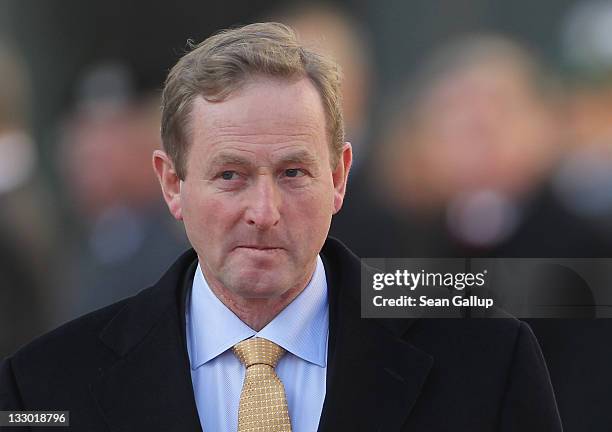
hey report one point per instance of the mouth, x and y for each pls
(259, 248)
(258, 252)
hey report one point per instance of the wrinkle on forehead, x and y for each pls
(272, 105)
(216, 127)
(287, 154)
(258, 134)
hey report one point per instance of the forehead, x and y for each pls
(263, 112)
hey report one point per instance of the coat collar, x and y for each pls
(373, 378)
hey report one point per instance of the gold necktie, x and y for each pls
(263, 405)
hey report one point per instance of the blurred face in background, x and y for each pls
(482, 127)
(102, 156)
(590, 114)
(259, 192)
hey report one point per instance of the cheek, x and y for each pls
(310, 210)
(204, 216)
(313, 200)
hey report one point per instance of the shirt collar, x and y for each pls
(301, 328)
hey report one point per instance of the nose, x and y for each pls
(263, 204)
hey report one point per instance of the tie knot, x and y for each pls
(258, 351)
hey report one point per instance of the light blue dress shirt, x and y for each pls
(217, 375)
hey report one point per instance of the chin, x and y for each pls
(258, 283)
(254, 260)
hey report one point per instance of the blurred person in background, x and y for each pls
(124, 237)
(470, 153)
(578, 352)
(469, 160)
(584, 181)
(27, 218)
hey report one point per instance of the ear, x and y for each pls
(340, 175)
(169, 181)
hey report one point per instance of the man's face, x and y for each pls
(259, 192)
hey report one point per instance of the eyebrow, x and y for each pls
(299, 157)
(229, 159)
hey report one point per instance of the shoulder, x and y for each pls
(486, 337)
(78, 351)
(54, 363)
(139, 310)
(75, 335)
(69, 353)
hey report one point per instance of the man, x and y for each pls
(255, 166)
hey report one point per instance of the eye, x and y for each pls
(228, 175)
(294, 172)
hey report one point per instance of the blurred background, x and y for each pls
(480, 128)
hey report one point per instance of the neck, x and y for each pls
(257, 312)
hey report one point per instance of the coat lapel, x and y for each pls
(149, 386)
(374, 377)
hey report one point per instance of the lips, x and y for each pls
(258, 247)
